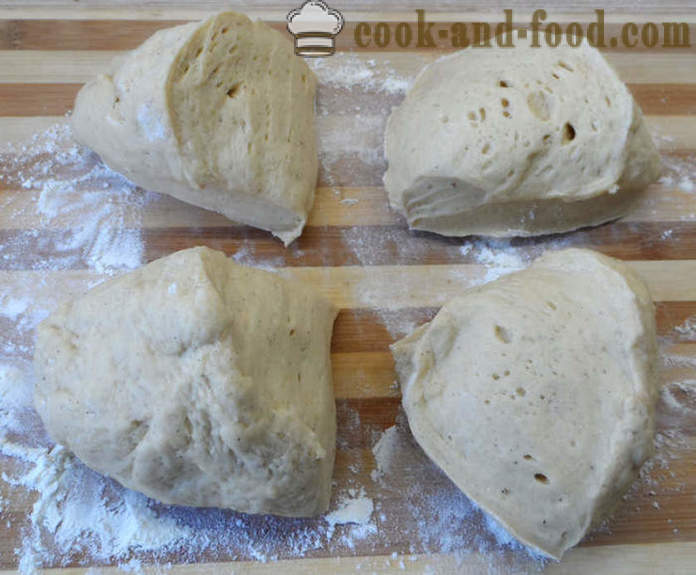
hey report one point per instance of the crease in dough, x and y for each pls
(197, 382)
(219, 114)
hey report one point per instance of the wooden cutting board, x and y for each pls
(354, 243)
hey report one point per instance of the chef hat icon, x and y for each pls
(314, 26)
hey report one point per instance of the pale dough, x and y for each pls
(197, 382)
(218, 113)
(516, 142)
(535, 393)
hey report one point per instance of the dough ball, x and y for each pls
(197, 382)
(219, 114)
(535, 393)
(517, 142)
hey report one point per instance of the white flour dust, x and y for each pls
(346, 70)
(82, 511)
(354, 512)
(90, 215)
(472, 262)
(70, 212)
(384, 452)
(680, 396)
(438, 516)
(349, 144)
(687, 329)
(676, 411)
(679, 172)
(83, 217)
(351, 120)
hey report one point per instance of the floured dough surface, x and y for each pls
(535, 393)
(516, 142)
(197, 382)
(218, 113)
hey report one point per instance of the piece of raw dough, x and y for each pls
(535, 393)
(517, 142)
(197, 382)
(219, 114)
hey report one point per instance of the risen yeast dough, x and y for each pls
(218, 113)
(515, 142)
(535, 393)
(197, 382)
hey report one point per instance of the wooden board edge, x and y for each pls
(635, 559)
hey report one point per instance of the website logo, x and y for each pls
(315, 27)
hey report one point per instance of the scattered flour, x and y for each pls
(356, 510)
(352, 138)
(379, 245)
(384, 451)
(347, 70)
(82, 213)
(686, 185)
(355, 513)
(500, 258)
(445, 520)
(11, 307)
(16, 407)
(687, 329)
(86, 217)
(680, 172)
(680, 396)
(353, 143)
(76, 508)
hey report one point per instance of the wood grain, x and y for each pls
(364, 331)
(351, 287)
(363, 367)
(77, 66)
(335, 246)
(355, 245)
(674, 135)
(81, 34)
(37, 99)
(389, 9)
(333, 207)
(673, 558)
(117, 34)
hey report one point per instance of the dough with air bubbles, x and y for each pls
(218, 113)
(517, 142)
(198, 382)
(535, 393)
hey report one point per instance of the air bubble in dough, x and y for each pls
(535, 393)
(218, 113)
(517, 142)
